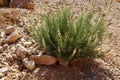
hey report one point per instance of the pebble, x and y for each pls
(29, 64)
(5, 46)
(9, 29)
(13, 49)
(14, 36)
(3, 70)
(22, 48)
(63, 62)
(21, 24)
(20, 54)
(15, 56)
(21, 51)
(36, 71)
(1, 75)
(2, 34)
(27, 44)
(9, 57)
(22, 40)
(1, 49)
(4, 78)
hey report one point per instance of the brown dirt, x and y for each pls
(79, 70)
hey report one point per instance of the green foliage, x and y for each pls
(66, 38)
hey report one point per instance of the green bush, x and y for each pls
(68, 39)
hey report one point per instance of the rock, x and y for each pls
(2, 34)
(9, 29)
(19, 3)
(6, 46)
(36, 71)
(30, 6)
(29, 64)
(27, 43)
(22, 48)
(118, 0)
(4, 78)
(20, 54)
(1, 49)
(13, 49)
(63, 62)
(1, 75)
(3, 70)
(21, 51)
(3, 2)
(22, 40)
(44, 59)
(21, 24)
(14, 56)
(14, 36)
(9, 57)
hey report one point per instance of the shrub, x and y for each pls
(68, 39)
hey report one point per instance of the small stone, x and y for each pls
(6, 63)
(1, 49)
(2, 34)
(30, 6)
(1, 75)
(14, 36)
(18, 3)
(5, 46)
(22, 40)
(27, 44)
(20, 54)
(36, 71)
(22, 48)
(13, 48)
(15, 56)
(4, 78)
(63, 62)
(29, 64)
(9, 57)
(44, 59)
(3, 70)
(21, 24)
(40, 53)
(21, 51)
(9, 29)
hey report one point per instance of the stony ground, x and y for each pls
(12, 52)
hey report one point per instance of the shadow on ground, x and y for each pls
(79, 70)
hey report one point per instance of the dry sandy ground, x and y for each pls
(22, 18)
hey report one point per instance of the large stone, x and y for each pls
(14, 36)
(19, 3)
(44, 59)
(3, 2)
(118, 0)
(9, 29)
